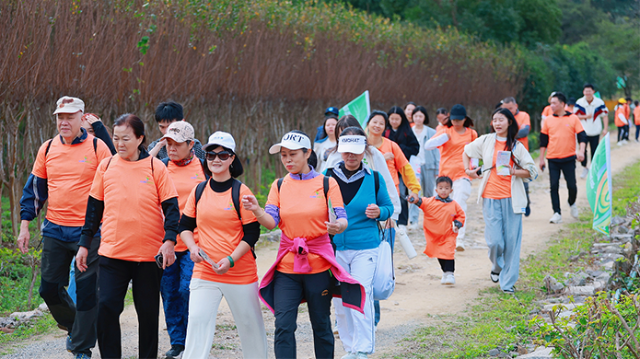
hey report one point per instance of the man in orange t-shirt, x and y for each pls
(621, 119)
(557, 141)
(62, 175)
(524, 127)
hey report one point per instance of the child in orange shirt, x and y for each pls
(443, 217)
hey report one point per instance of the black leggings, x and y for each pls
(447, 265)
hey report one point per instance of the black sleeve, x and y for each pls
(92, 219)
(582, 137)
(171, 212)
(251, 233)
(410, 146)
(187, 223)
(544, 140)
(102, 133)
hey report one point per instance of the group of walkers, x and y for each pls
(175, 222)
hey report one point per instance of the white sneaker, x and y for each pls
(556, 218)
(459, 245)
(620, 143)
(362, 355)
(575, 213)
(350, 356)
(585, 172)
(448, 278)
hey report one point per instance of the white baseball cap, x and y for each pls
(68, 104)
(220, 138)
(352, 144)
(180, 131)
(292, 141)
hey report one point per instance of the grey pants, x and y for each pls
(81, 319)
(503, 233)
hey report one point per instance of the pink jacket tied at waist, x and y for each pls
(350, 290)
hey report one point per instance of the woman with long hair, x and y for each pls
(506, 163)
(429, 161)
(366, 202)
(305, 268)
(224, 262)
(323, 149)
(451, 140)
(134, 198)
(408, 111)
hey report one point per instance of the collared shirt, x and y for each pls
(598, 112)
(443, 200)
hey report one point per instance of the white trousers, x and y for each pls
(243, 301)
(460, 194)
(357, 331)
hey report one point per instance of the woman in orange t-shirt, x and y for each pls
(305, 268)
(451, 140)
(503, 194)
(225, 264)
(134, 195)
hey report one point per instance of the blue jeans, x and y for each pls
(174, 288)
(503, 234)
(389, 235)
(637, 131)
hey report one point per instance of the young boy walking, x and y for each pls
(443, 217)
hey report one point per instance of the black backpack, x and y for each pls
(95, 147)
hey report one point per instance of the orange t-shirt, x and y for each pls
(133, 222)
(562, 132)
(636, 115)
(547, 111)
(185, 178)
(438, 227)
(451, 153)
(398, 161)
(220, 232)
(69, 168)
(497, 187)
(303, 211)
(523, 119)
(623, 111)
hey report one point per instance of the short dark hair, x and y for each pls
(444, 179)
(169, 111)
(509, 100)
(560, 96)
(589, 86)
(442, 111)
(424, 111)
(136, 124)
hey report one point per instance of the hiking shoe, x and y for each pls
(585, 172)
(81, 356)
(495, 277)
(574, 211)
(459, 245)
(509, 291)
(349, 356)
(556, 218)
(68, 343)
(448, 278)
(175, 351)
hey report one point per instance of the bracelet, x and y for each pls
(231, 261)
(262, 215)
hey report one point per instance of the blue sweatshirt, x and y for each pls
(362, 232)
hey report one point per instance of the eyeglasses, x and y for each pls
(223, 155)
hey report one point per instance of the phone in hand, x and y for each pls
(207, 259)
(159, 259)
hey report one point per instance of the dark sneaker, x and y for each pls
(81, 356)
(68, 343)
(175, 351)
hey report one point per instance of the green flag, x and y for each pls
(359, 108)
(599, 190)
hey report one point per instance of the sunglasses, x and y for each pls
(223, 155)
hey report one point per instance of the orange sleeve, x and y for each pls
(247, 216)
(190, 206)
(526, 119)
(398, 157)
(426, 205)
(474, 135)
(164, 183)
(39, 168)
(545, 128)
(97, 187)
(274, 195)
(102, 151)
(335, 194)
(460, 216)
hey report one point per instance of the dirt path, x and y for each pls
(418, 291)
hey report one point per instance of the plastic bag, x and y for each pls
(384, 280)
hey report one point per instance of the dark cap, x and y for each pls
(332, 111)
(458, 112)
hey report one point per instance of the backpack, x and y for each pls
(95, 147)
(235, 194)
(325, 187)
